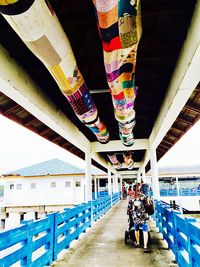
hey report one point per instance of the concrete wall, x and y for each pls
(18, 191)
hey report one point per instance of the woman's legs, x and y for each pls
(145, 236)
(137, 236)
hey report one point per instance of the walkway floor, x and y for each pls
(103, 246)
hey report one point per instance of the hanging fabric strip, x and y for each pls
(119, 23)
(39, 28)
(128, 160)
(113, 159)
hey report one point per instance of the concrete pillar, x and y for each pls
(154, 175)
(120, 184)
(88, 180)
(95, 188)
(12, 221)
(116, 184)
(109, 181)
(144, 179)
(138, 178)
(113, 183)
(98, 187)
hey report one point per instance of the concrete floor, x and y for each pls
(103, 245)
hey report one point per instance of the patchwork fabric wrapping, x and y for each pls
(37, 25)
(128, 160)
(113, 159)
(119, 23)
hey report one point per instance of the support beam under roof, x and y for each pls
(17, 85)
(139, 144)
(128, 173)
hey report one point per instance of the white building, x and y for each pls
(53, 182)
(31, 192)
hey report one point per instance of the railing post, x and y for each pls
(189, 220)
(91, 217)
(84, 214)
(55, 254)
(156, 212)
(77, 221)
(26, 261)
(175, 236)
(52, 242)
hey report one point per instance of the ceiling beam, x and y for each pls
(193, 107)
(99, 91)
(162, 145)
(185, 120)
(177, 128)
(184, 80)
(162, 150)
(10, 109)
(18, 85)
(30, 122)
(45, 131)
(139, 144)
(128, 172)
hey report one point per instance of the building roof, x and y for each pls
(51, 167)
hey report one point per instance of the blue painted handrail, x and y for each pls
(38, 243)
(182, 235)
(182, 192)
(27, 238)
(100, 194)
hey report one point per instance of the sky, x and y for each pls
(186, 151)
(20, 148)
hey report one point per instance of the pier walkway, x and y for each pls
(103, 245)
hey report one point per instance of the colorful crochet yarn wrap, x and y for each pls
(128, 160)
(37, 25)
(119, 24)
(113, 159)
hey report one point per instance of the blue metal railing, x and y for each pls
(182, 192)
(38, 243)
(100, 194)
(182, 235)
(24, 240)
